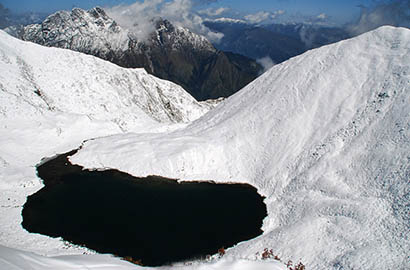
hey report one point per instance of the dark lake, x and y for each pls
(153, 219)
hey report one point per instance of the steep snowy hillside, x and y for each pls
(169, 52)
(66, 81)
(324, 136)
(50, 101)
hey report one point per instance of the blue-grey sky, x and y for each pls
(338, 11)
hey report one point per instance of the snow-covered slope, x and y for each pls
(12, 259)
(66, 81)
(324, 136)
(50, 95)
(53, 99)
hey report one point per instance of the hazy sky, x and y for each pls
(338, 11)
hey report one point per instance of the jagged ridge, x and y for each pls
(172, 53)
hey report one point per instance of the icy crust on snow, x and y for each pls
(62, 80)
(324, 136)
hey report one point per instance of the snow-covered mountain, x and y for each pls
(92, 32)
(169, 52)
(324, 136)
(65, 96)
(51, 100)
(70, 82)
(8, 18)
(51, 95)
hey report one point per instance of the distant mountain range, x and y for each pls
(7, 18)
(277, 41)
(171, 53)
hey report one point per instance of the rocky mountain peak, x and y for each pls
(78, 19)
(170, 52)
(98, 12)
(92, 32)
(177, 37)
(163, 25)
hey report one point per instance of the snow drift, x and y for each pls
(324, 136)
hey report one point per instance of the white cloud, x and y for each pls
(279, 12)
(229, 20)
(138, 17)
(322, 16)
(212, 12)
(266, 62)
(258, 17)
(396, 13)
(214, 37)
(263, 16)
(307, 36)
